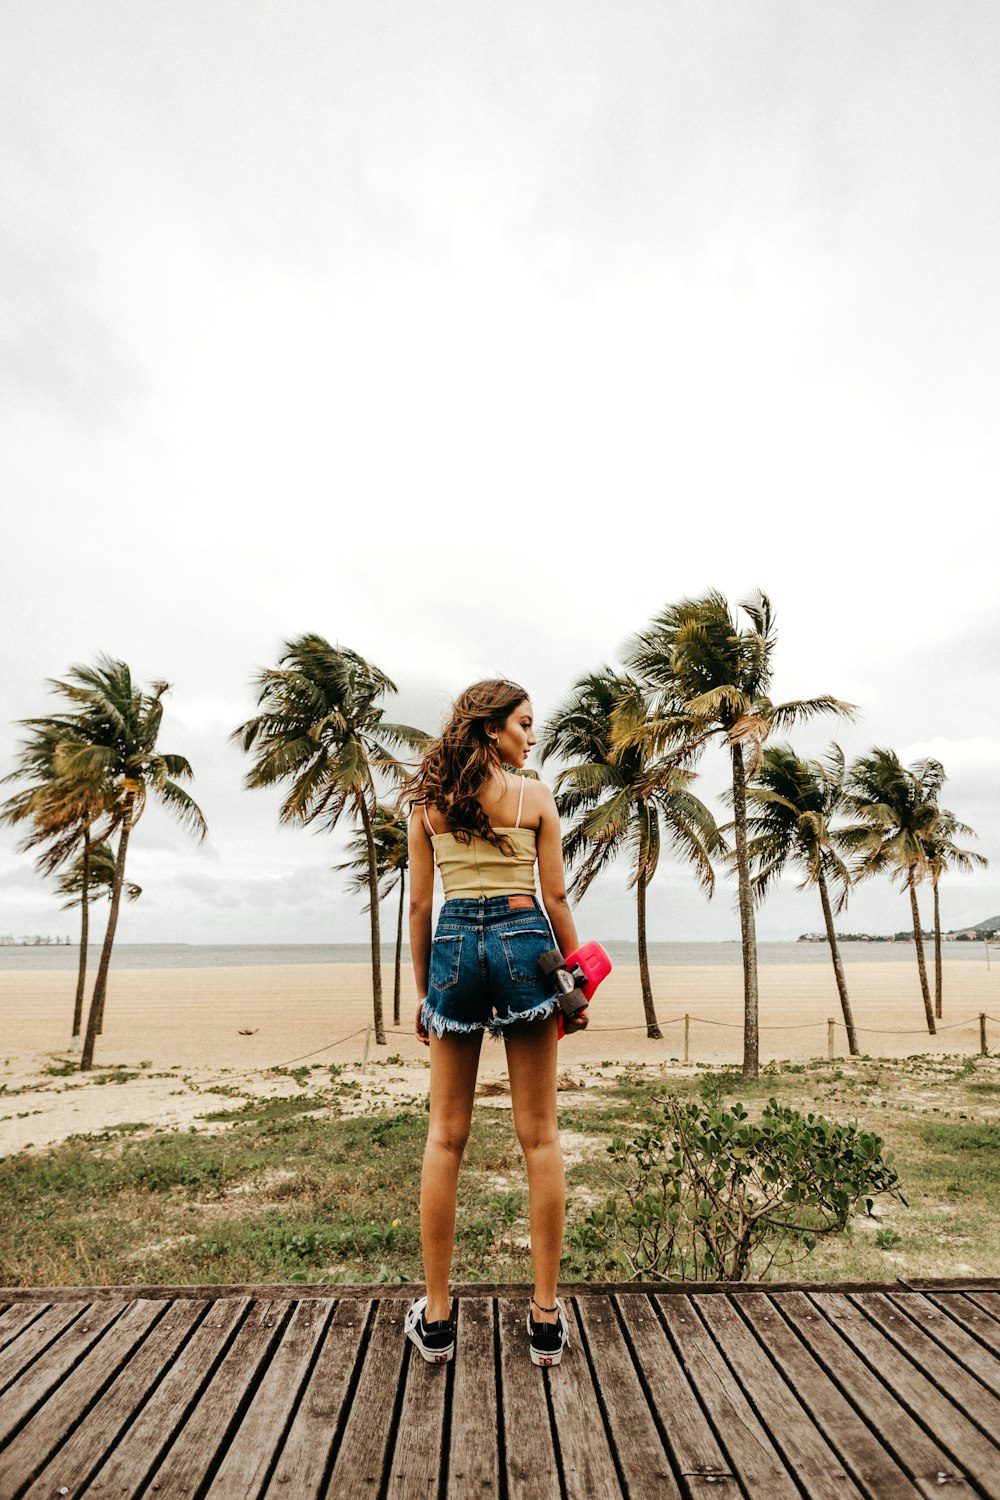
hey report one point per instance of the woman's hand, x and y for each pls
(579, 1022)
(421, 1029)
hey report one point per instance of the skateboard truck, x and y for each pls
(569, 979)
(576, 976)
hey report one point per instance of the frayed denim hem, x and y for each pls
(441, 1025)
(496, 1025)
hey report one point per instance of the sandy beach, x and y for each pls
(192, 1036)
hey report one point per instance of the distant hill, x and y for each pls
(983, 929)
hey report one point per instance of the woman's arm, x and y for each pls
(421, 859)
(551, 875)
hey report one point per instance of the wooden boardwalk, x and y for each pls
(882, 1392)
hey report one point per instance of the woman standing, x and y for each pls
(486, 829)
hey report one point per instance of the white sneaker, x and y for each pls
(548, 1340)
(436, 1341)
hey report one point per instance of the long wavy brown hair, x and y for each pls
(457, 765)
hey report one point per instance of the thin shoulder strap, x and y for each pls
(430, 825)
(520, 802)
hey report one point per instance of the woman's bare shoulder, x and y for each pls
(538, 798)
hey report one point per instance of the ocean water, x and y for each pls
(623, 953)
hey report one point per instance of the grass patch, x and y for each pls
(283, 1195)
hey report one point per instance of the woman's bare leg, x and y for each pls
(531, 1064)
(454, 1065)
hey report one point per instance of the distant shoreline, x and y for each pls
(724, 953)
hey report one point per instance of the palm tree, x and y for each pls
(712, 678)
(943, 854)
(62, 811)
(897, 811)
(78, 884)
(392, 856)
(792, 806)
(117, 726)
(625, 800)
(321, 728)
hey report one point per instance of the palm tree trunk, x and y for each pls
(938, 966)
(652, 1025)
(95, 1019)
(748, 933)
(81, 973)
(838, 967)
(398, 976)
(376, 931)
(921, 962)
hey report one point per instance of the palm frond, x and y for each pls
(184, 807)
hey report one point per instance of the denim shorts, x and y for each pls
(484, 973)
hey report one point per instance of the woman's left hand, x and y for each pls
(421, 1029)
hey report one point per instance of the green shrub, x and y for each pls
(707, 1194)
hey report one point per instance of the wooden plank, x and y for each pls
(916, 1452)
(529, 1449)
(965, 1311)
(474, 1448)
(208, 1428)
(972, 1453)
(361, 1458)
(36, 1337)
(140, 1447)
(805, 1450)
(631, 1426)
(686, 1431)
(305, 1454)
(946, 1372)
(420, 1451)
(38, 1381)
(587, 1462)
(989, 1302)
(44, 1433)
(84, 1450)
(251, 1452)
(16, 1318)
(950, 1332)
(751, 1454)
(863, 1454)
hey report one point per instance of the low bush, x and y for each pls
(708, 1194)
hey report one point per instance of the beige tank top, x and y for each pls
(479, 868)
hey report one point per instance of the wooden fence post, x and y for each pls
(829, 1037)
(364, 1054)
(687, 1037)
(982, 1033)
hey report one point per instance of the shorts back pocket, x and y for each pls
(523, 947)
(446, 960)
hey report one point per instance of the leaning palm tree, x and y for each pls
(90, 877)
(63, 813)
(711, 679)
(625, 800)
(117, 726)
(943, 854)
(392, 856)
(896, 808)
(321, 729)
(792, 805)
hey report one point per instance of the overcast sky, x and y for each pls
(471, 335)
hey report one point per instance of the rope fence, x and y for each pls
(831, 1028)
